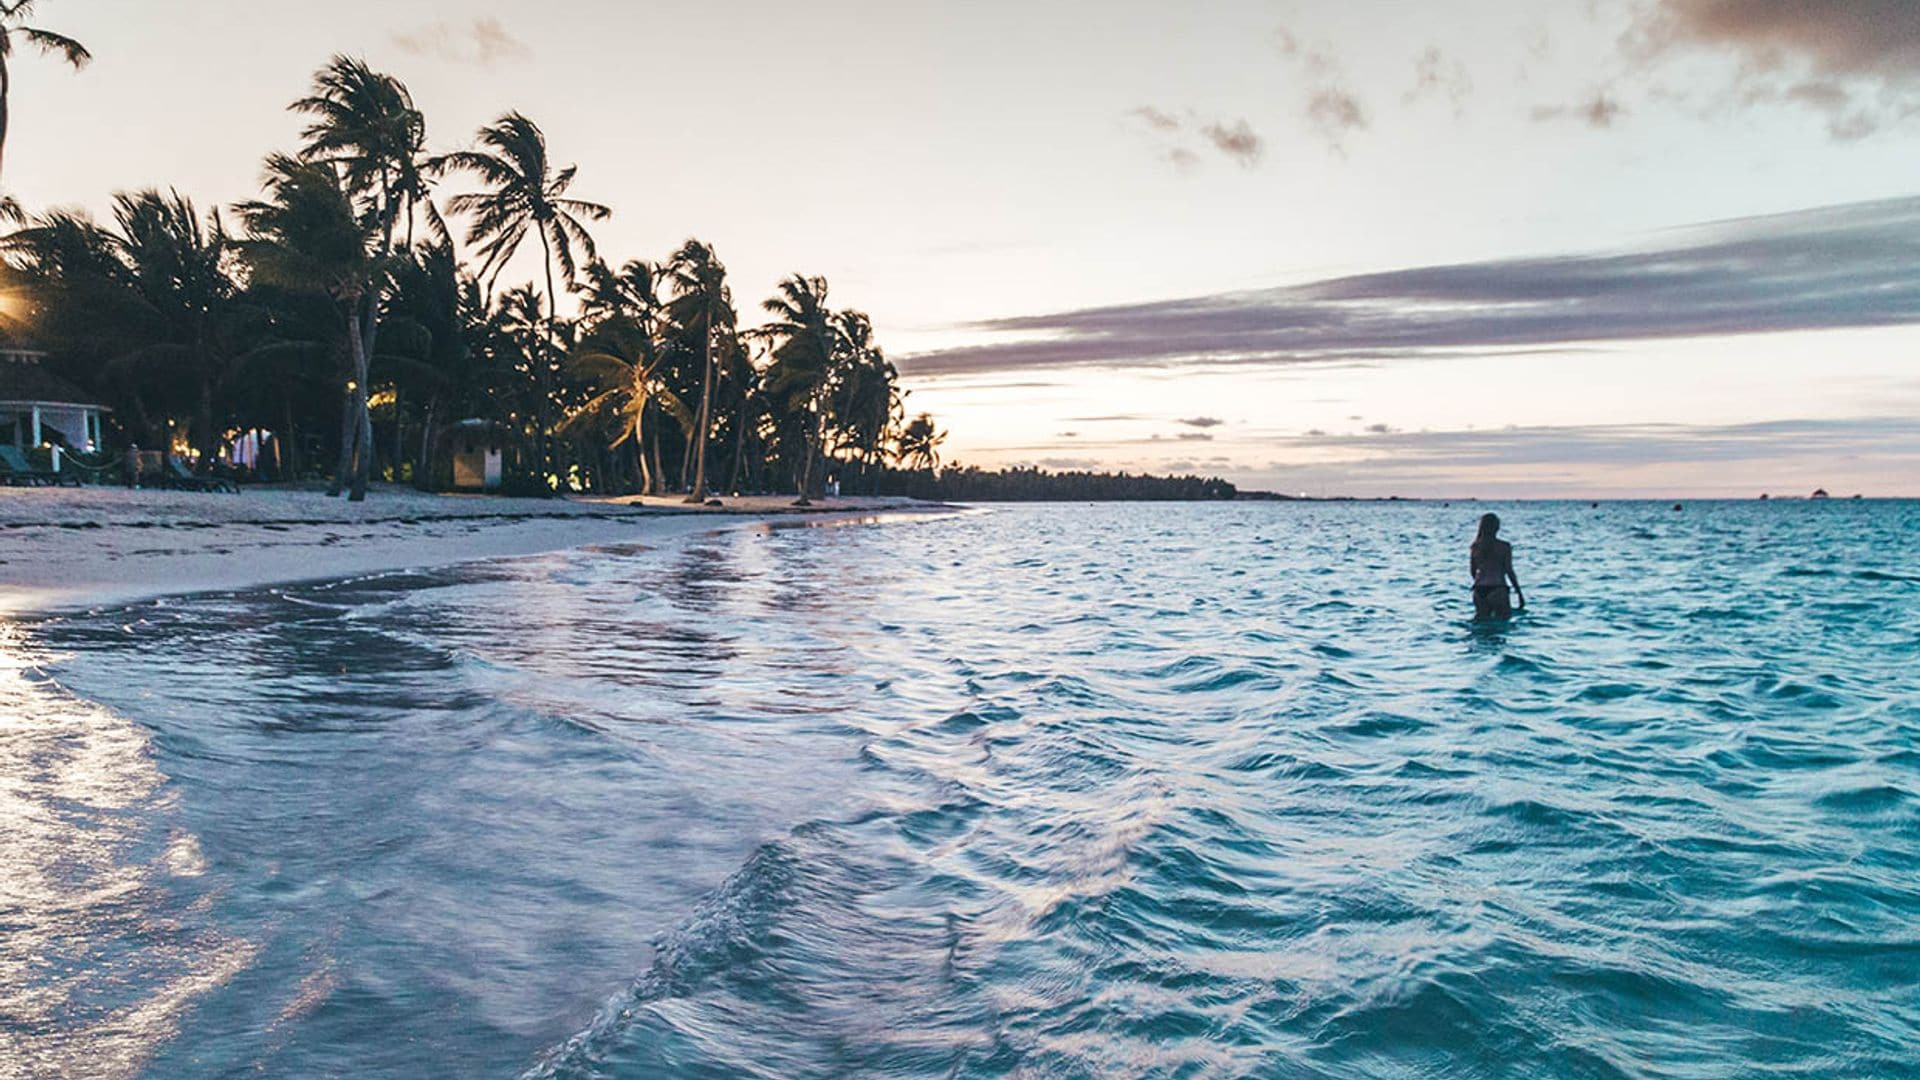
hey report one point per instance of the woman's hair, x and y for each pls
(1489, 528)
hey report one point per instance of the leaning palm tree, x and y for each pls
(365, 126)
(45, 40)
(622, 353)
(305, 237)
(366, 123)
(702, 303)
(807, 347)
(525, 193)
(622, 357)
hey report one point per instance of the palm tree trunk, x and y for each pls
(817, 460)
(698, 493)
(344, 465)
(739, 446)
(290, 457)
(810, 457)
(423, 466)
(640, 449)
(659, 466)
(6, 87)
(359, 338)
(209, 442)
(544, 365)
(399, 434)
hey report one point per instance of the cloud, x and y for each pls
(1830, 268)
(481, 41)
(1600, 111)
(1336, 113)
(1332, 109)
(1156, 119)
(1856, 62)
(1876, 453)
(1628, 445)
(1437, 76)
(1878, 38)
(1181, 158)
(1201, 421)
(1234, 139)
(1237, 141)
(1194, 436)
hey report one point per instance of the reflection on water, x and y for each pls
(107, 939)
(1215, 791)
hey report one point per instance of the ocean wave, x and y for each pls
(1207, 791)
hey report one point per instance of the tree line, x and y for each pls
(339, 311)
(1030, 484)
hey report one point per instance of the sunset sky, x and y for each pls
(1493, 247)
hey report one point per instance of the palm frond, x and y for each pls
(50, 43)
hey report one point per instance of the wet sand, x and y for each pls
(63, 548)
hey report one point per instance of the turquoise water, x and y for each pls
(1114, 791)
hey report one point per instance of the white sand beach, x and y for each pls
(85, 547)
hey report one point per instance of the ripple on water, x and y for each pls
(1213, 791)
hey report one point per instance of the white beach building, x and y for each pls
(38, 408)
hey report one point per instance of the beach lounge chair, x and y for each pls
(176, 475)
(17, 471)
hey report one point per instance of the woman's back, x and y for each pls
(1490, 560)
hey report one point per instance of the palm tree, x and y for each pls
(427, 346)
(621, 350)
(808, 345)
(180, 275)
(919, 443)
(366, 127)
(866, 399)
(306, 237)
(523, 329)
(45, 40)
(703, 303)
(152, 301)
(526, 193)
(366, 123)
(620, 356)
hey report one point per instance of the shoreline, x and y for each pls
(74, 549)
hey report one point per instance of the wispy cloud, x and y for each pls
(1237, 141)
(481, 41)
(1632, 444)
(1436, 75)
(1201, 421)
(1791, 456)
(1598, 111)
(1831, 268)
(1333, 109)
(1336, 113)
(1234, 139)
(1157, 119)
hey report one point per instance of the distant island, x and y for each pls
(969, 483)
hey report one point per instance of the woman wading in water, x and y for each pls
(1492, 564)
